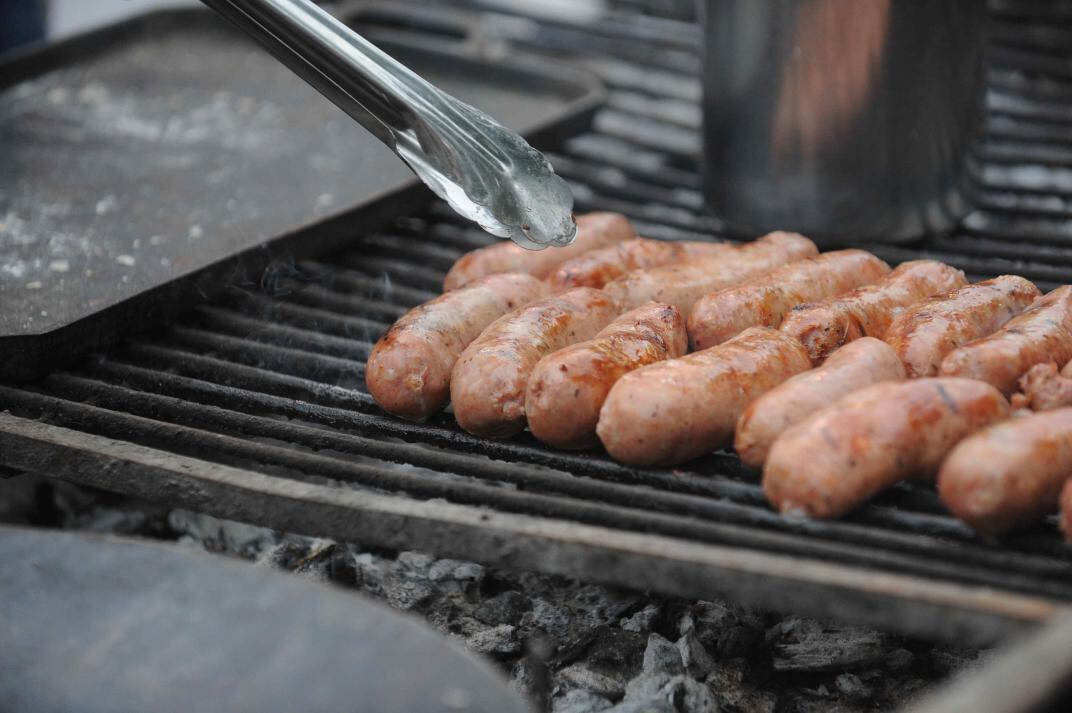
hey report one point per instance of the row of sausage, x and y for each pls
(800, 360)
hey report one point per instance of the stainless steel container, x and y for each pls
(846, 120)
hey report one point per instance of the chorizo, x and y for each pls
(567, 388)
(868, 311)
(674, 410)
(408, 371)
(594, 231)
(855, 366)
(1040, 334)
(765, 300)
(924, 333)
(487, 386)
(681, 284)
(869, 440)
(1010, 474)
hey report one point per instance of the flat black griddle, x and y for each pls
(149, 164)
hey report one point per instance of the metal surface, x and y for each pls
(483, 170)
(266, 390)
(152, 164)
(96, 624)
(847, 120)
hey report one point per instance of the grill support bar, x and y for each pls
(967, 616)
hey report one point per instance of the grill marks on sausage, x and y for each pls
(598, 267)
(490, 377)
(868, 311)
(568, 388)
(764, 301)
(1040, 334)
(877, 437)
(925, 333)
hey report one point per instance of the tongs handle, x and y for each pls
(483, 170)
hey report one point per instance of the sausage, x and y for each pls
(924, 333)
(408, 371)
(869, 440)
(1039, 334)
(487, 386)
(567, 388)
(1043, 388)
(868, 311)
(855, 366)
(594, 231)
(1010, 474)
(764, 301)
(681, 284)
(1066, 512)
(598, 267)
(678, 409)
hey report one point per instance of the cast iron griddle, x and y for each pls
(135, 158)
(93, 623)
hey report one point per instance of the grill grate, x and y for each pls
(263, 383)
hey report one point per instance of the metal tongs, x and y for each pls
(486, 172)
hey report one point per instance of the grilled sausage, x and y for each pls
(681, 284)
(1039, 334)
(1043, 388)
(675, 410)
(868, 311)
(1010, 474)
(598, 267)
(855, 366)
(765, 300)
(924, 333)
(871, 439)
(408, 372)
(1066, 512)
(487, 387)
(567, 388)
(594, 231)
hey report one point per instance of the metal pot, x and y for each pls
(846, 120)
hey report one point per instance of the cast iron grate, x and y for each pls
(269, 379)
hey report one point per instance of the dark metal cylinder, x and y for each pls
(846, 120)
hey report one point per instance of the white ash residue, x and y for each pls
(580, 648)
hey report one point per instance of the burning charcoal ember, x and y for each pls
(609, 685)
(661, 656)
(804, 645)
(643, 621)
(579, 700)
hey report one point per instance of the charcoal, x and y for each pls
(614, 647)
(497, 640)
(646, 686)
(698, 663)
(725, 631)
(733, 694)
(416, 561)
(850, 685)
(224, 536)
(950, 660)
(643, 621)
(607, 685)
(652, 706)
(505, 608)
(406, 592)
(579, 700)
(661, 656)
(455, 570)
(802, 645)
(900, 660)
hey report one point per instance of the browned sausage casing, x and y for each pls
(681, 284)
(678, 409)
(871, 439)
(487, 387)
(765, 300)
(408, 372)
(925, 332)
(855, 366)
(1066, 511)
(598, 267)
(594, 231)
(1044, 388)
(1010, 474)
(1041, 333)
(567, 388)
(867, 311)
